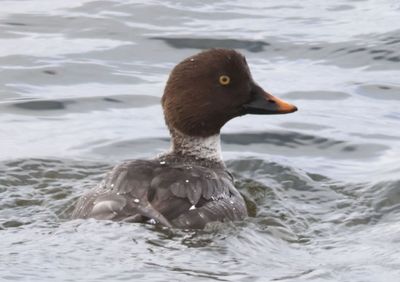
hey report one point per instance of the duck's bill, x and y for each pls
(264, 103)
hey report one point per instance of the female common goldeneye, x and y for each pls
(188, 186)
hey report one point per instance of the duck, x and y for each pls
(188, 186)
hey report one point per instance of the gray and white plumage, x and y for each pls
(172, 193)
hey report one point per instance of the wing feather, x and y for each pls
(140, 190)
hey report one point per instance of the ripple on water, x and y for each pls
(79, 105)
(317, 95)
(379, 92)
(39, 189)
(292, 212)
(207, 43)
(298, 144)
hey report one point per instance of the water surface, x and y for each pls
(80, 83)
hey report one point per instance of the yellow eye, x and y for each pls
(224, 80)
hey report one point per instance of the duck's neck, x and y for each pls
(196, 148)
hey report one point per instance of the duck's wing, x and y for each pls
(221, 210)
(173, 195)
(226, 208)
(207, 195)
(122, 195)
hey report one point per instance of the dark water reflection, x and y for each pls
(204, 43)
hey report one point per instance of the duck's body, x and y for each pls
(175, 189)
(188, 186)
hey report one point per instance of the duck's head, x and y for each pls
(210, 88)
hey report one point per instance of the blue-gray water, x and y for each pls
(80, 83)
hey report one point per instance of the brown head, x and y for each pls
(208, 89)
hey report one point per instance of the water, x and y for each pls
(80, 83)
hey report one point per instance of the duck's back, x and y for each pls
(172, 193)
